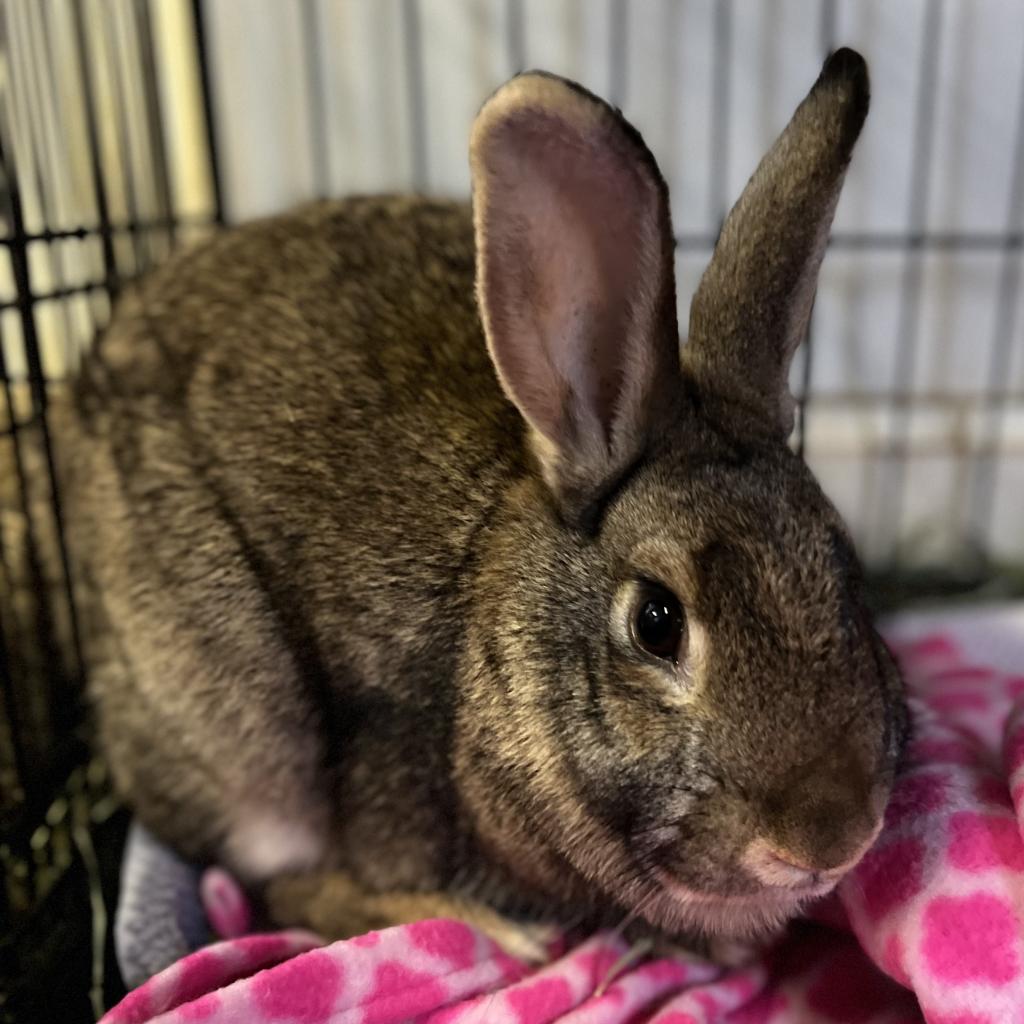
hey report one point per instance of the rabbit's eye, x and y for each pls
(658, 623)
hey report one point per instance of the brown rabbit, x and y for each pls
(577, 639)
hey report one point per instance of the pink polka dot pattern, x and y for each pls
(135, 1008)
(971, 939)
(937, 650)
(959, 702)
(943, 751)
(448, 940)
(893, 960)
(992, 791)
(849, 988)
(965, 674)
(890, 876)
(300, 991)
(202, 1008)
(181, 985)
(958, 940)
(401, 993)
(199, 974)
(543, 1000)
(933, 916)
(916, 795)
(937, 1017)
(769, 1008)
(982, 841)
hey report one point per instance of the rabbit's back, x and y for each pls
(327, 313)
(285, 447)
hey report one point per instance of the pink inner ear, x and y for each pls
(570, 226)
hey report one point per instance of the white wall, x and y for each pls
(272, 120)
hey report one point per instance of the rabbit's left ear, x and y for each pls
(575, 280)
(751, 309)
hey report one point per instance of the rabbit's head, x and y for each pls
(676, 693)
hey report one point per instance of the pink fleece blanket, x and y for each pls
(930, 926)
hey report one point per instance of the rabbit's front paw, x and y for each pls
(523, 940)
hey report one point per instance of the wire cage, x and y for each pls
(129, 127)
(88, 200)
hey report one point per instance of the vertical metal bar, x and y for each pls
(17, 794)
(98, 176)
(209, 121)
(35, 53)
(618, 55)
(515, 36)
(58, 256)
(720, 104)
(120, 116)
(138, 138)
(415, 90)
(12, 713)
(37, 387)
(316, 118)
(11, 709)
(136, 129)
(41, 626)
(828, 26)
(17, 45)
(892, 491)
(47, 112)
(982, 495)
(154, 115)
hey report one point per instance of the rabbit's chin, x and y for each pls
(742, 916)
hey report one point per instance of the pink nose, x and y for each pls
(790, 869)
(774, 866)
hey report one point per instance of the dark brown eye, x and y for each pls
(658, 622)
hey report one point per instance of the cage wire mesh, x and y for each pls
(89, 198)
(128, 127)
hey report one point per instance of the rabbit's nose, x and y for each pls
(774, 865)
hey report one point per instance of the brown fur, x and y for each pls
(348, 593)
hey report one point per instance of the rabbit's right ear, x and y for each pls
(574, 280)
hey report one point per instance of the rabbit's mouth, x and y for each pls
(738, 914)
(766, 894)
